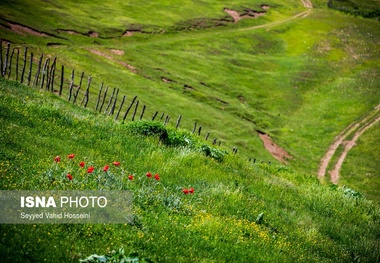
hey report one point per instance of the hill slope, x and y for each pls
(239, 212)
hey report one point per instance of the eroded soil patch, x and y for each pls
(276, 151)
(248, 13)
(121, 63)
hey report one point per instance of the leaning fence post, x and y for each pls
(35, 82)
(71, 86)
(10, 62)
(112, 110)
(195, 126)
(167, 119)
(214, 141)
(6, 59)
(142, 112)
(162, 116)
(52, 74)
(30, 68)
(62, 78)
(154, 116)
(207, 136)
(104, 99)
(24, 66)
(78, 89)
(178, 121)
(121, 106)
(130, 106)
(97, 101)
(87, 91)
(199, 130)
(1, 57)
(110, 101)
(134, 113)
(45, 71)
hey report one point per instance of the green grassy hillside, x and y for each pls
(239, 211)
(300, 75)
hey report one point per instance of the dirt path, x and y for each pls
(358, 128)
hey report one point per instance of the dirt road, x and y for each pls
(356, 129)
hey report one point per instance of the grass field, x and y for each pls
(301, 219)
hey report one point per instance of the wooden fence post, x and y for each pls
(87, 92)
(142, 112)
(97, 101)
(104, 99)
(167, 120)
(162, 116)
(112, 110)
(154, 116)
(71, 86)
(195, 126)
(78, 89)
(1, 57)
(121, 106)
(62, 78)
(214, 141)
(30, 68)
(6, 59)
(199, 130)
(110, 101)
(220, 142)
(134, 113)
(10, 62)
(35, 82)
(24, 66)
(130, 106)
(45, 71)
(178, 121)
(52, 74)
(207, 136)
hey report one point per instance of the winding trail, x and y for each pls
(356, 128)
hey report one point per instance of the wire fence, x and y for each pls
(77, 87)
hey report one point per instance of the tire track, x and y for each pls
(358, 127)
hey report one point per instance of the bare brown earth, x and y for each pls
(249, 14)
(276, 151)
(358, 128)
(121, 63)
(24, 30)
(307, 3)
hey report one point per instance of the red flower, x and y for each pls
(69, 176)
(191, 190)
(185, 191)
(81, 164)
(130, 177)
(90, 169)
(57, 159)
(148, 174)
(157, 177)
(105, 168)
(116, 163)
(71, 156)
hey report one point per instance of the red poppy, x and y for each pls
(157, 177)
(90, 169)
(130, 177)
(69, 176)
(71, 156)
(148, 174)
(57, 159)
(191, 190)
(105, 168)
(185, 191)
(81, 164)
(116, 163)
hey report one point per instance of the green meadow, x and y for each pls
(300, 75)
